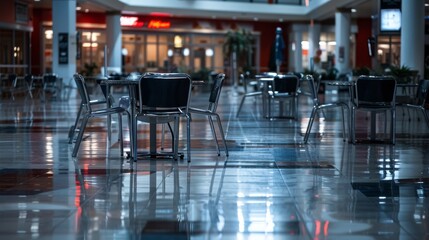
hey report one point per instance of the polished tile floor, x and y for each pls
(270, 187)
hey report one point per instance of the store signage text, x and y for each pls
(137, 23)
(158, 24)
(131, 22)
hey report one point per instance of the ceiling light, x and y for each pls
(78, 8)
(209, 52)
(186, 52)
(353, 10)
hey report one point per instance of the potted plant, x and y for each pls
(402, 74)
(237, 48)
(89, 69)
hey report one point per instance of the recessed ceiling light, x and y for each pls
(353, 10)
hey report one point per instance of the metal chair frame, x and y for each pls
(211, 113)
(93, 102)
(284, 87)
(91, 113)
(318, 106)
(376, 95)
(164, 98)
(419, 101)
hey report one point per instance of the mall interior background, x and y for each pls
(160, 43)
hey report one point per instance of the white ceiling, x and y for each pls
(319, 10)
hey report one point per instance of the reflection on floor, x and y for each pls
(270, 187)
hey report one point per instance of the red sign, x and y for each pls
(131, 22)
(158, 24)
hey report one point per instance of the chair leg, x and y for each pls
(310, 124)
(80, 136)
(133, 133)
(222, 134)
(121, 136)
(425, 115)
(162, 136)
(73, 128)
(172, 136)
(344, 123)
(353, 125)
(109, 127)
(294, 108)
(214, 134)
(241, 105)
(130, 132)
(176, 138)
(188, 138)
(393, 126)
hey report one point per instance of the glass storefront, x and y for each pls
(326, 48)
(172, 52)
(389, 50)
(148, 51)
(14, 51)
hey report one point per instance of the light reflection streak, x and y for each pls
(49, 150)
(240, 216)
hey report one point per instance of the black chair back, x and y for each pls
(216, 88)
(164, 91)
(422, 92)
(285, 84)
(50, 78)
(13, 80)
(28, 80)
(377, 91)
(83, 91)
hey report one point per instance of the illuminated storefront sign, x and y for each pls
(131, 22)
(128, 21)
(159, 24)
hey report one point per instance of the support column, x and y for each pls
(64, 38)
(298, 51)
(342, 39)
(313, 44)
(413, 35)
(114, 41)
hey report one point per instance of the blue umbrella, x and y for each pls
(279, 49)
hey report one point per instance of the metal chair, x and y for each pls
(52, 85)
(284, 87)
(164, 98)
(258, 92)
(89, 112)
(210, 112)
(8, 85)
(377, 95)
(318, 106)
(419, 101)
(93, 102)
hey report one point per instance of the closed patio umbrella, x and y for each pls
(279, 48)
